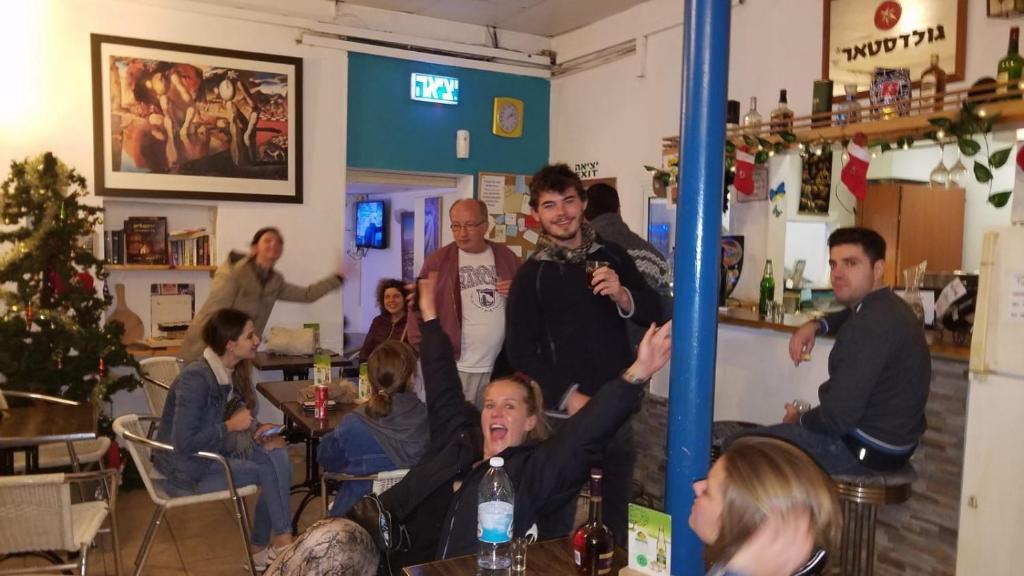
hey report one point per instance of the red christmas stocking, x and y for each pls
(744, 181)
(855, 173)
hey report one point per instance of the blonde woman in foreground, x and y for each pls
(763, 509)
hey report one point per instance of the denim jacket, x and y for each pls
(352, 449)
(193, 421)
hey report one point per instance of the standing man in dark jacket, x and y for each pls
(473, 279)
(604, 213)
(568, 335)
(871, 411)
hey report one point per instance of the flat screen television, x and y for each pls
(371, 224)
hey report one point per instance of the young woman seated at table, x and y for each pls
(763, 508)
(210, 409)
(390, 323)
(389, 432)
(437, 501)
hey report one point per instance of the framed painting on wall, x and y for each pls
(431, 225)
(408, 219)
(178, 121)
(861, 35)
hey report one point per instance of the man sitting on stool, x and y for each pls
(871, 412)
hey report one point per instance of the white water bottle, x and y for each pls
(495, 507)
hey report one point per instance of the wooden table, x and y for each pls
(548, 558)
(302, 426)
(294, 367)
(26, 427)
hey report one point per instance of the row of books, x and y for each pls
(145, 240)
(191, 248)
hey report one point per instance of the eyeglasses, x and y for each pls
(456, 227)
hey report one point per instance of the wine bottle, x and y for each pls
(767, 290)
(782, 117)
(933, 86)
(1010, 67)
(593, 544)
(752, 119)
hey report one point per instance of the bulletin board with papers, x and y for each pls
(509, 218)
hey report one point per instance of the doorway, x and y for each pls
(411, 212)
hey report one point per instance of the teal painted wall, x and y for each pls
(387, 130)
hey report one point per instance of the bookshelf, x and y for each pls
(188, 218)
(160, 267)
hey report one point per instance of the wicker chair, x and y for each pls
(36, 515)
(61, 454)
(381, 482)
(157, 374)
(130, 429)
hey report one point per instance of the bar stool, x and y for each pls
(861, 496)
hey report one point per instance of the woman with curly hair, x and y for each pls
(390, 323)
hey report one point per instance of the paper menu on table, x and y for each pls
(650, 541)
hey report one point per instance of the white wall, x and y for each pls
(610, 114)
(45, 45)
(754, 377)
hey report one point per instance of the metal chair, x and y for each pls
(157, 374)
(61, 454)
(130, 429)
(36, 515)
(381, 482)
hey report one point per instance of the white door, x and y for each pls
(991, 497)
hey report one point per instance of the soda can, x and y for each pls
(320, 408)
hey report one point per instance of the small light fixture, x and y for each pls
(462, 144)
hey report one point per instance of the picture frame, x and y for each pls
(190, 122)
(661, 219)
(431, 225)
(861, 35)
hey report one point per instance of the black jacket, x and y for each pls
(545, 476)
(560, 333)
(879, 373)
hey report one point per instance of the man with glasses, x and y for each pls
(473, 279)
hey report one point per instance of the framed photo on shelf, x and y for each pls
(861, 35)
(179, 121)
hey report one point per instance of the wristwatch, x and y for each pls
(633, 378)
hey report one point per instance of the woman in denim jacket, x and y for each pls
(389, 432)
(207, 409)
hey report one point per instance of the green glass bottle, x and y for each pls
(767, 290)
(1010, 67)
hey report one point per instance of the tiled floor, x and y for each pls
(201, 539)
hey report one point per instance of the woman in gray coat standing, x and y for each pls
(250, 284)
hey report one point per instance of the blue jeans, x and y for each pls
(827, 450)
(272, 472)
(351, 448)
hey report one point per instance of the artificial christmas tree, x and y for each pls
(52, 336)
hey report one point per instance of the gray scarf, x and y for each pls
(548, 250)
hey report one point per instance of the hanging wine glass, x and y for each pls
(940, 175)
(958, 172)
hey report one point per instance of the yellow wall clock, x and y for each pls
(508, 117)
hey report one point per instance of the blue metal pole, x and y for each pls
(697, 255)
